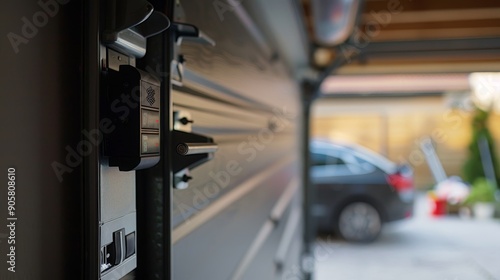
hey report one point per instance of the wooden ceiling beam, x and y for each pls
(439, 15)
(443, 33)
(423, 68)
(429, 5)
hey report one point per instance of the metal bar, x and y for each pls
(268, 227)
(193, 81)
(196, 148)
(291, 227)
(308, 190)
(154, 185)
(284, 200)
(91, 203)
(433, 160)
(486, 160)
(264, 233)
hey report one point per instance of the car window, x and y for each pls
(363, 154)
(356, 165)
(340, 164)
(324, 159)
(375, 159)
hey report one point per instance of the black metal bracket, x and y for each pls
(129, 23)
(186, 32)
(189, 32)
(190, 150)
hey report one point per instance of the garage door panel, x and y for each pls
(240, 94)
(228, 233)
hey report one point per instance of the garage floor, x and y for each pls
(422, 248)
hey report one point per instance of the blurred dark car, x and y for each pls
(358, 190)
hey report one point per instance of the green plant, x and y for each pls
(482, 191)
(473, 167)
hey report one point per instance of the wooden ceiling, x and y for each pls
(419, 36)
(436, 19)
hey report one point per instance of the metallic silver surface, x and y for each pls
(222, 203)
(117, 193)
(196, 148)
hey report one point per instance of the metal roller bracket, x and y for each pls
(129, 23)
(189, 150)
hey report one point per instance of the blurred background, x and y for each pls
(418, 83)
(391, 114)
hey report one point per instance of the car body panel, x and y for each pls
(355, 177)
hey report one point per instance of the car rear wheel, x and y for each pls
(359, 222)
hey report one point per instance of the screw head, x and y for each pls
(182, 149)
(186, 178)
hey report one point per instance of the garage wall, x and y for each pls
(394, 127)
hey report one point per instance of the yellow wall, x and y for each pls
(396, 134)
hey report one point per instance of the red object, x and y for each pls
(408, 214)
(399, 182)
(438, 207)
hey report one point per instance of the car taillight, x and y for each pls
(400, 182)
